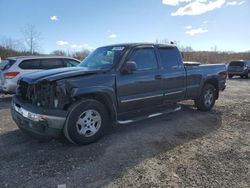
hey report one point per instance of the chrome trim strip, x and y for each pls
(125, 121)
(154, 115)
(172, 93)
(141, 98)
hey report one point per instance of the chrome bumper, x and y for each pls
(34, 116)
(35, 122)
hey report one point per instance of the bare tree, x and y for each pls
(80, 55)
(11, 44)
(58, 52)
(31, 37)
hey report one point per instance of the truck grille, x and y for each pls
(22, 90)
(40, 94)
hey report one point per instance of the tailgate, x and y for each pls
(235, 68)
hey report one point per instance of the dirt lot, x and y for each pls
(185, 149)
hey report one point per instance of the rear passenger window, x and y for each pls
(51, 63)
(144, 58)
(30, 64)
(169, 57)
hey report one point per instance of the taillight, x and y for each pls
(10, 75)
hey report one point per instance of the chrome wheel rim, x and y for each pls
(88, 123)
(209, 97)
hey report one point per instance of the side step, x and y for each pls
(135, 119)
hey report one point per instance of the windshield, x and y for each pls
(103, 58)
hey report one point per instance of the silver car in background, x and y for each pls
(13, 68)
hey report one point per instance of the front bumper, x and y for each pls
(36, 120)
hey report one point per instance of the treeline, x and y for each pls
(203, 57)
(6, 52)
(80, 55)
(215, 57)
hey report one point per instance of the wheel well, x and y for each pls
(104, 99)
(215, 83)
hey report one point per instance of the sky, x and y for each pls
(79, 24)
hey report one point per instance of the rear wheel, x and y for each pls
(206, 100)
(86, 122)
(242, 76)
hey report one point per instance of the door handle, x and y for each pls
(158, 77)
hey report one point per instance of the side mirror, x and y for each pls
(129, 67)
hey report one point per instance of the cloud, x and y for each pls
(174, 2)
(188, 27)
(241, 3)
(62, 43)
(197, 31)
(53, 18)
(198, 7)
(112, 36)
(233, 3)
(79, 46)
(82, 46)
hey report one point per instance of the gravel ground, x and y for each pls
(184, 149)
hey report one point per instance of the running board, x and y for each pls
(177, 108)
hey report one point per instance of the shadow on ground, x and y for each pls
(26, 162)
(5, 102)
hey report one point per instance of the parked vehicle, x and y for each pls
(3, 63)
(239, 68)
(116, 84)
(16, 67)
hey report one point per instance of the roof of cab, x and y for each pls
(140, 44)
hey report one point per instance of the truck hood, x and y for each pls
(58, 74)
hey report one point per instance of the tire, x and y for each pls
(86, 122)
(206, 100)
(242, 76)
(230, 76)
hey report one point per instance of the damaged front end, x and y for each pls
(46, 94)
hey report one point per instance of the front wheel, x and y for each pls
(86, 122)
(206, 100)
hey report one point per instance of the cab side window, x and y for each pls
(145, 58)
(170, 57)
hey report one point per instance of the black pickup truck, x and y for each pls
(116, 84)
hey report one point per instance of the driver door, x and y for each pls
(142, 88)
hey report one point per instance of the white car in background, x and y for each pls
(13, 68)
